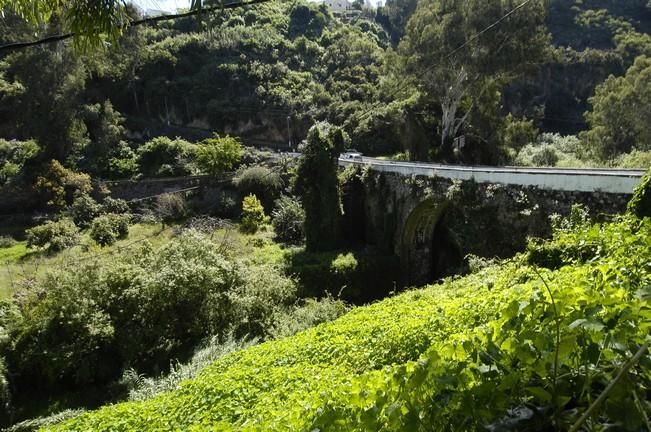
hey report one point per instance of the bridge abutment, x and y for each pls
(431, 223)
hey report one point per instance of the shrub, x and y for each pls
(518, 133)
(253, 216)
(13, 156)
(164, 157)
(288, 219)
(115, 206)
(141, 310)
(552, 149)
(83, 210)
(217, 155)
(107, 229)
(264, 295)
(55, 236)
(634, 159)
(489, 351)
(142, 388)
(260, 181)
(308, 314)
(170, 207)
(640, 203)
(7, 241)
(58, 185)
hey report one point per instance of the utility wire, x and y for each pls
(149, 20)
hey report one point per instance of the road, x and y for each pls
(606, 180)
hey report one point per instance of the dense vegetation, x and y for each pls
(266, 73)
(187, 304)
(518, 345)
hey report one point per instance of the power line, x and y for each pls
(61, 37)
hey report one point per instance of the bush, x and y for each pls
(13, 156)
(54, 236)
(310, 313)
(479, 352)
(552, 149)
(217, 155)
(142, 309)
(7, 241)
(253, 216)
(288, 219)
(640, 203)
(58, 185)
(634, 159)
(264, 295)
(262, 182)
(115, 206)
(107, 229)
(165, 157)
(83, 210)
(170, 207)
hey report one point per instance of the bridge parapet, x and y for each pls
(619, 181)
(431, 217)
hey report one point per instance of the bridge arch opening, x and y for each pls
(429, 250)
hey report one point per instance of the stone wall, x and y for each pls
(431, 223)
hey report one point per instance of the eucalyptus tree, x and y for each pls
(462, 54)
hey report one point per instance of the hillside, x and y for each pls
(467, 353)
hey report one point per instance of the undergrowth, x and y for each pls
(515, 346)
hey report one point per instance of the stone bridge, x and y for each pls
(432, 216)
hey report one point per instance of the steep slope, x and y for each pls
(513, 346)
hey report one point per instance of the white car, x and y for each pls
(351, 154)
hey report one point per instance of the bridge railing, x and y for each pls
(621, 181)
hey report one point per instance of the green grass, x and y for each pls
(454, 356)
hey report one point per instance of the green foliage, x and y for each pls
(165, 157)
(309, 313)
(107, 229)
(143, 388)
(264, 295)
(170, 207)
(7, 242)
(344, 263)
(91, 26)
(86, 323)
(83, 210)
(486, 351)
(115, 205)
(54, 236)
(288, 220)
(58, 185)
(554, 150)
(261, 181)
(620, 109)
(466, 86)
(565, 248)
(634, 159)
(640, 203)
(353, 276)
(218, 155)
(13, 156)
(105, 146)
(253, 216)
(518, 133)
(318, 187)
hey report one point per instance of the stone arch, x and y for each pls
(427, 248)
